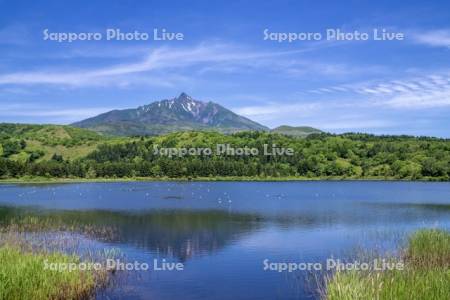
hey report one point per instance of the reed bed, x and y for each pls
(426, 273)
(29, 245)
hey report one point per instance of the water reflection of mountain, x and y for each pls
(181, 234)
(185, 233)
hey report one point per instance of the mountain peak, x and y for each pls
(176, 114)
(183, 95)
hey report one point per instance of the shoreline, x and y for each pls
(44, 180)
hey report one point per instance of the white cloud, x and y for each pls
(329, 115)
(433, 38)
(425, 91)
(277, 110)
(371, 102)
(166, 66)
(420, 100)
(160, 59)
(63, 115)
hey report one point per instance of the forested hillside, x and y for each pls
(68, 152)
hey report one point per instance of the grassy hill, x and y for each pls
(300, 131)
(24, 142)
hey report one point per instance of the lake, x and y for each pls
(222, 232)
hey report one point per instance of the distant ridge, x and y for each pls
(300, 131)
(178, 114)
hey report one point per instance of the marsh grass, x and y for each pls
(23, 276)
(429, 249)
(426, 274)
(27, 242)
(54, 223)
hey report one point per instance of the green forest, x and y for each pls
(64, 152)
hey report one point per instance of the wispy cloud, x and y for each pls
(330, 115)
(161, 58)
(370, 100)
(61, 115)
(433, 38)
(164, 58)
(420, 100)
(417, 92)
(166, 66)
(275, 110)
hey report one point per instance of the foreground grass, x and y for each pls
(409, 284)
(23, 276)
(33, 247)
(429, 249)
(426, 274)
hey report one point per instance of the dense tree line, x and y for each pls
(318, 155)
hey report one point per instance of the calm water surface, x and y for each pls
(223, 231)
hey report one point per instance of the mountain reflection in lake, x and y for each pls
(222, 231)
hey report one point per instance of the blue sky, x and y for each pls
(382, 87)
